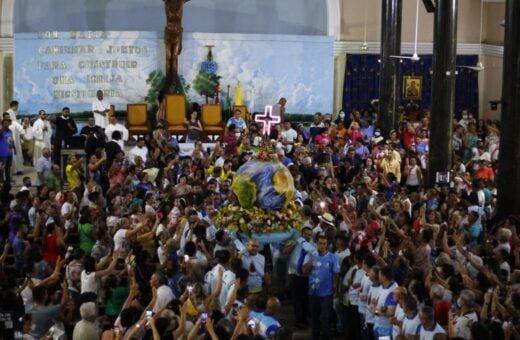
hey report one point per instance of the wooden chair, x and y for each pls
(211, 120)
(176, 114)
(137, 119)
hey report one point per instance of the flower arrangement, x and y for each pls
(260, 221)
(266, 152)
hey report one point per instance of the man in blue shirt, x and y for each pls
(300, 281)
(268, 324)
(6, 150)
(323, 271)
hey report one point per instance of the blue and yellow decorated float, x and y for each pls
(265, 207)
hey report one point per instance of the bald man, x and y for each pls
(267, 321)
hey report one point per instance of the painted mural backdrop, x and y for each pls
(56, 69)
(267, 67)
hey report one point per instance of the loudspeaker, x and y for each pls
(428, 4)
(75, 142)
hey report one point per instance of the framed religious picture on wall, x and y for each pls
(412, 86)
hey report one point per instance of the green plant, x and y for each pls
(204, 84)
(156, 80)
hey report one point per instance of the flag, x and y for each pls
(251, 104)
(238, 95)
(228, 106)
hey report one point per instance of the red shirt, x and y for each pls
(408, 137)
(441, 312)
(484, 173)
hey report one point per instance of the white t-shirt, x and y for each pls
(100, 105)
(373, 296)
(289, 136)
(463, 323)
(26, 295)
(68, 208)
(410, 325)
(428, 334)
(365, 288)
(164, 296)
(137, 151)
(227, 281)
(353, 293)
(89, 283)
(341, 255)
(119, 238)
(400, 316)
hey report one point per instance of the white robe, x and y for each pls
(17, 130)
(12, 114)
(42, 139)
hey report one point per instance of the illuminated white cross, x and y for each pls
(267, 119)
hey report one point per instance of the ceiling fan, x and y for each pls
(480, 65)
(414, 56)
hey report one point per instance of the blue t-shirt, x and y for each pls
(239, 123)
(268, 324)
(321, 278)
(5, 146)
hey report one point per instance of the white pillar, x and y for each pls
(6, 19)
(334, 19)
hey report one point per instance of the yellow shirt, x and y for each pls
(73, 177)
(223, 174)
(392, 166)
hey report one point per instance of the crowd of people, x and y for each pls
(125, 245)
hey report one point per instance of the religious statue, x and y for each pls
(173, 41)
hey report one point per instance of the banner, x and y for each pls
(57, 69)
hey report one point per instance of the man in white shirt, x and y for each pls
(255, 263)
(428, 327)
(411, 319)
(289, 135)
(211, 277)
(101, 109)
(466, 316)
(164, 293)
(352, 281)
(43, 167)
(139, 150)
(112, 126)
(42, 134)
(27, 141)
(68, 210)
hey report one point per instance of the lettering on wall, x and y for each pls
(67, 68)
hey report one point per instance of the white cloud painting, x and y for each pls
(299, 68)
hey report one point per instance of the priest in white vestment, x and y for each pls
(42, 134)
